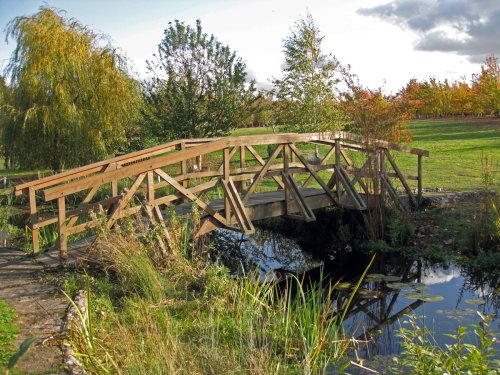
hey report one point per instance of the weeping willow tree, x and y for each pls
(71, 100)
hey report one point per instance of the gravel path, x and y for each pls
(40, 308)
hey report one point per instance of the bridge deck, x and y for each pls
(270, 204)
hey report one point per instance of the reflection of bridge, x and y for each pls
(228, 188)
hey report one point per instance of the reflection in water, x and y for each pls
(395, 287)
(267, 251)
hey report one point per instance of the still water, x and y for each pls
(441, 296)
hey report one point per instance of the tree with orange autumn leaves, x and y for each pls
(433, 98)
(373, 114)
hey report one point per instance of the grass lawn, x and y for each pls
(456, 149)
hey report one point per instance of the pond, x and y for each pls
(441, 296)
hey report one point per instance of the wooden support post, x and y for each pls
(199, 162)
(376, 177)
(383, 175)
(226, 174)
(151, 188)
(114, 183)
(33, 218)
(286, 167)
(184, 169)
(419, 189)
(63, 240)
(337, 168)
(242, 184)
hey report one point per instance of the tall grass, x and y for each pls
(185, 315)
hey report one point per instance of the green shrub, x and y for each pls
(422, 356)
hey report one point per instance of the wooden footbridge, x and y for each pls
(233, 181)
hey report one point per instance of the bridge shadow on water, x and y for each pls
(328, 249)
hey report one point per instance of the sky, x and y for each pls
(386, 43)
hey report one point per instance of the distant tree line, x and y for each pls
(67, 96)
(433, 98)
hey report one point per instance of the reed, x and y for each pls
(186, 315)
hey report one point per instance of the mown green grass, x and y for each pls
(456, 149)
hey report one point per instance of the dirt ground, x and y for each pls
(40, 308)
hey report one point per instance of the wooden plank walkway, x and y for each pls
(270, 204)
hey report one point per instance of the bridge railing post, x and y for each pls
(63, 239)
(286, 167)
(419, 188)
(226, 175)
(242, 184)
(383, 174)
(33, 219)
(337, 168)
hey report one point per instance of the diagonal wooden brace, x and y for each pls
(204, 206)
(325, 159)
(122, 203)
(350, 189)
(263, 162)
(327, 190)
(156, 217)
(305, 210)
(260, 175)
(237, 207)
(401, 178)
(393, 193)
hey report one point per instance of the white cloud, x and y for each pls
(465, 27)
(377, 51)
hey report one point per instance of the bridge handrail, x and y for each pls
(215, 145)
(100, 166)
